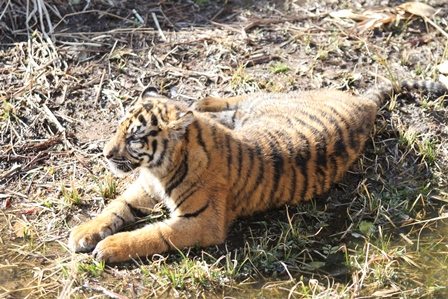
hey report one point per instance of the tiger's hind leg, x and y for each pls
(120, 212)
(211, 104)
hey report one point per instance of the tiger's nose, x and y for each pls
(107, 154)
(109, 149)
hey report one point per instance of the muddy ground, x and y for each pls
(64, 88)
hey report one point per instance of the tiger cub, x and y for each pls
(225, 158)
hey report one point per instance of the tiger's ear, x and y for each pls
(178, 127)
(150, 92)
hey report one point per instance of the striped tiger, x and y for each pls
(224, 158)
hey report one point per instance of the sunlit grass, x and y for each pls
(72, 195)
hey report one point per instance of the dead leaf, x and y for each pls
(7, 204)
(375, 19)
(29, 211)
(416, 8)
(386, 292)
(19, 229)
(347, 14)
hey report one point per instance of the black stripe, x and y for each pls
(229, 155)
(141, 155)
(277, 164)
(301, 159)
(133, 131)
(260, 176)
(199, 135)
(154, 146)
(144, 140)
(292, 189)
(257, 153)
(196, 213)
(265, 198)
(137, 111)
(119, 217)
(186, 195)
(321, 164)
(142, 120)
(340, 144)
(136, 212)
(154, 121)
(162, 154)
(165, 106)
(153, 133)
(352, 143)
(201, 141)
(159, 112)
(303, 155)
(304, 124)
(243, 179)
(187, 134)
(289, 145)
(178, 177)
(316, 119)
(239, 162)
(339, 147)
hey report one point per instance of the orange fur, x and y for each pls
(223, 159)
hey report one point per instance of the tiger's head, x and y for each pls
(147, 135)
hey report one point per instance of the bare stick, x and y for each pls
(138, 16)
(53, 118)
(154, 17)
(100, 87)
(436, 26)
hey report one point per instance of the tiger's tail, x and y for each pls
(385, 91)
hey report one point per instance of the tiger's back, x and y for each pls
(226, 158)
(289, 147)
(297, 144)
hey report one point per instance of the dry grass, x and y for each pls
(68, 73)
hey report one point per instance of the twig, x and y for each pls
(435, 26)
(43, 11)
(230, 28)
(53, 118)
(6, 7)
(100, 87)
(138, 16)
(14, 170)
(156, 22)
(168, 20)
(100, 12)
(99, 288)
(61, 129)
(260, 59)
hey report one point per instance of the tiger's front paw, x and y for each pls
(114, 249)
(86, 236)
